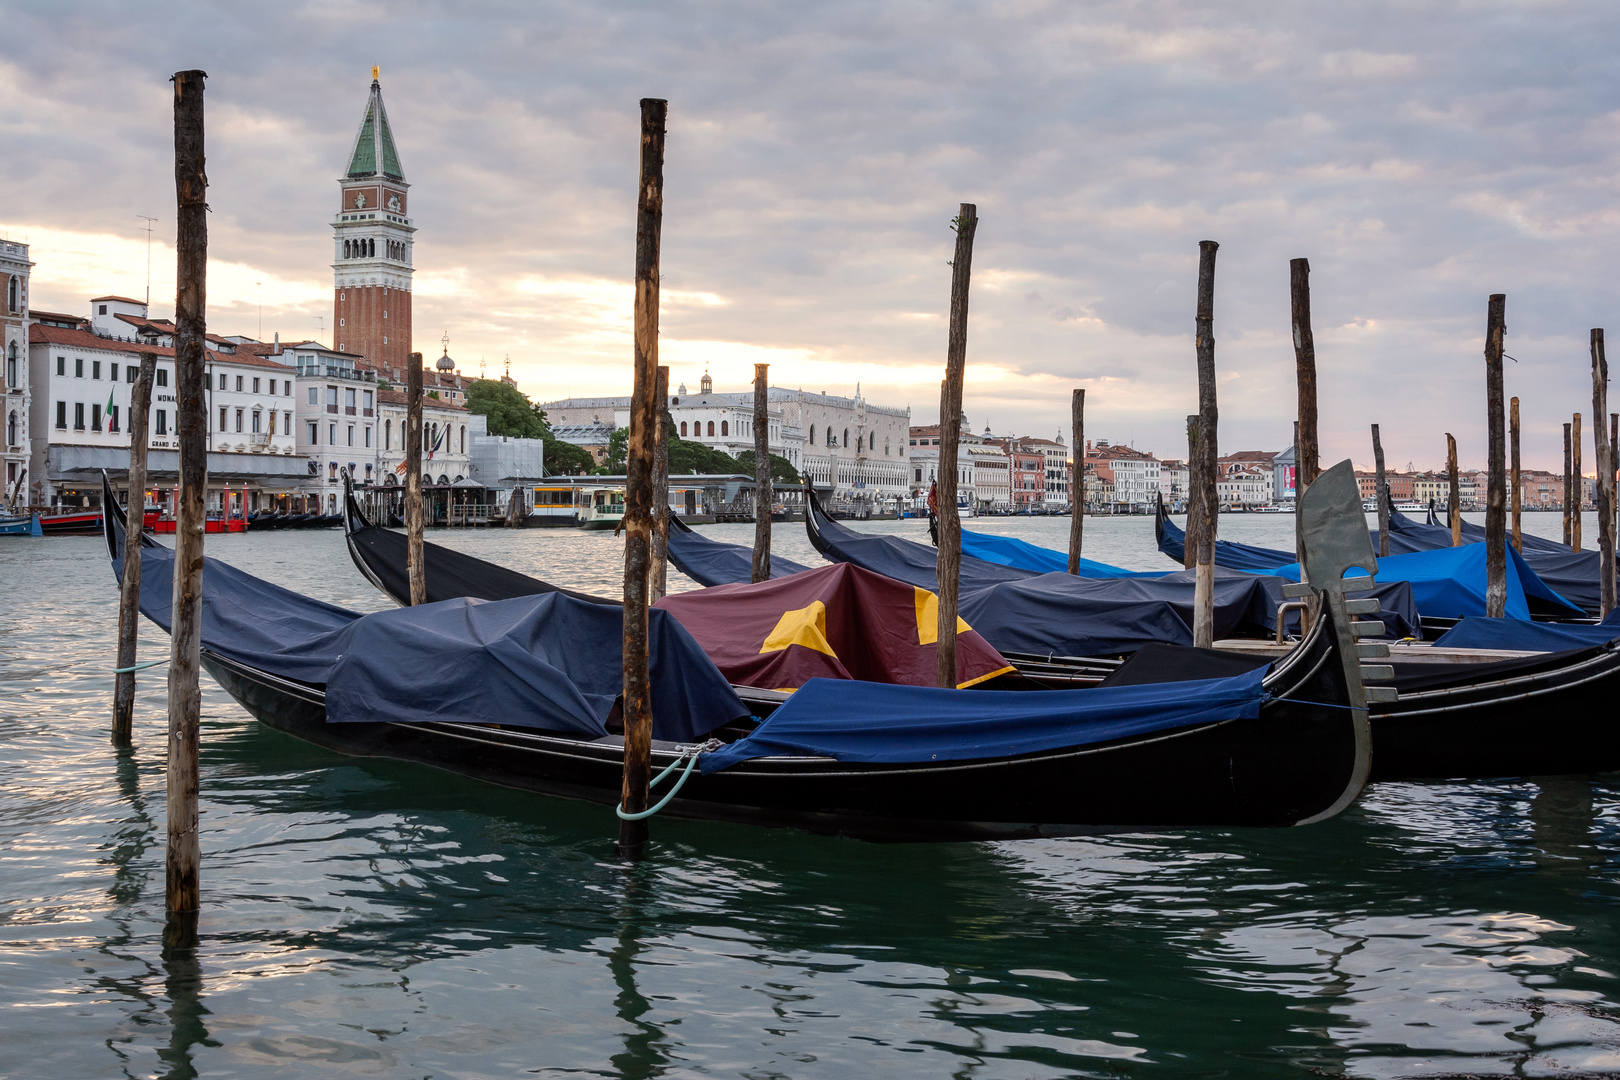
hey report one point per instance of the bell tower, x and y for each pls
(371, 248)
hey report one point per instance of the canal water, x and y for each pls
(368, 918)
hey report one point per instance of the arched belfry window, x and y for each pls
(812, 434)
(846, 437)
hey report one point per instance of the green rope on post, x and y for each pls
(138, 667)
(690, 754)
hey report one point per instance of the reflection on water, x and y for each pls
(368, 918)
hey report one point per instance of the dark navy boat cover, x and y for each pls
(549, 661)
(1233, 556)
(708, 561)
(1062, 615)
(894, 556)
(876, 722)
(1011, 551)
(1479, 632)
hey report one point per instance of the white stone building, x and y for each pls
(15, 396)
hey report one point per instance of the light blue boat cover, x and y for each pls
(548, 661)
(1449, 583)
(1010, 551)
(1479, 632)
(875, 722)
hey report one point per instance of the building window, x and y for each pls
(388, 435)
(368, 435)
(812, 434)
(351, 434)
(314, 395)
(162, 375)
(463, 438)
(239, 384)
(711, 427)
(256, 421)
(78, 416)
(129, 373)
(256, 386)
(846, 438)
(78, 367)
(286, 387)
(343, 322)
(61, 415)
(61, 365)
(95, 369)
(314, 433)
(222, 385)
(331, 434)
(286, 423)
(11, 429)
(95, 417)
(871, 442)
(723, 430)
(683, 429)
(238, 421)
(11, 366)
(223, 413)
(162, 426)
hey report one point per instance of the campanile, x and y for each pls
(371, 267)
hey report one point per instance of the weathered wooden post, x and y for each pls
(644, 417)
(415, 569)
(1515, 477)
(1454, 502)
(658, 576)
(762, 473)
(1195, 494)
(129, 588)
(1614, 476)
(948, 561)
(1496, 461)
(1605, 471)
(1299, 291)
(1204, 587)
(1077, 494)
(1568, 484)
(183, 856)
(1382, 494)
(1579, 498)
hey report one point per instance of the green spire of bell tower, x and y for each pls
(374, 151)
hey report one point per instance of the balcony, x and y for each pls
(332, 408)
(348, 410)
(367, 412)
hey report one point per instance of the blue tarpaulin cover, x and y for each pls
(1449, 583)
(1574, 575)
(1011, 551)
(1479, 632)
(899, 558)
(548, 661)
(1233, 556)
(708, 561)
(875, 722)
(1068, 616)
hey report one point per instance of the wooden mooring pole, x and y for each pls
(1515, 477)
(416, 571)
(1495, 461)
(762, 473)
(658, 575)
(1208, 455)
(129, 587)
(1454, 500)
(948, 561)
(1299, 293)
(1605, 471)
(1077, 493)
(1579, 498)
(1195, 494)
(183, 856)
(1382, 494)
(644, 416)
(1568, 485)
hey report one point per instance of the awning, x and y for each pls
(84, 464)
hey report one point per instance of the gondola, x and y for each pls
(77, 523)
(1521, 716)
(1281, 747)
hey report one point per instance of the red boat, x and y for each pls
(85, 523)
(157, 524)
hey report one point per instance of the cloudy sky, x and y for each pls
(1421, 155)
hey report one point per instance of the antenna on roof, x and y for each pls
(150, 221)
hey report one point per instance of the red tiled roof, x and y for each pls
(398, 397)
(56, 316)
(84, 339)
(120, 299)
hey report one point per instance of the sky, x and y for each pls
(1421, 155)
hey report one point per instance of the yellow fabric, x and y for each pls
(985, 678)
(806, 626)
(928, 618)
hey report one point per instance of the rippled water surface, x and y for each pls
(368, 918)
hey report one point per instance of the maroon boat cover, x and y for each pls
(833, 622)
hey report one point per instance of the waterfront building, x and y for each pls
(372, 241)
(337, 423)
(1058, 474)
(1026, 472)
(1136, 475)
(1244, 484)
(15, 393)
(449, 432)
(81, 385)
(1175, 481)
(991, 476)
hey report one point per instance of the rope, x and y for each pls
(690, 755)
(1318, 704)
(138, 667)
